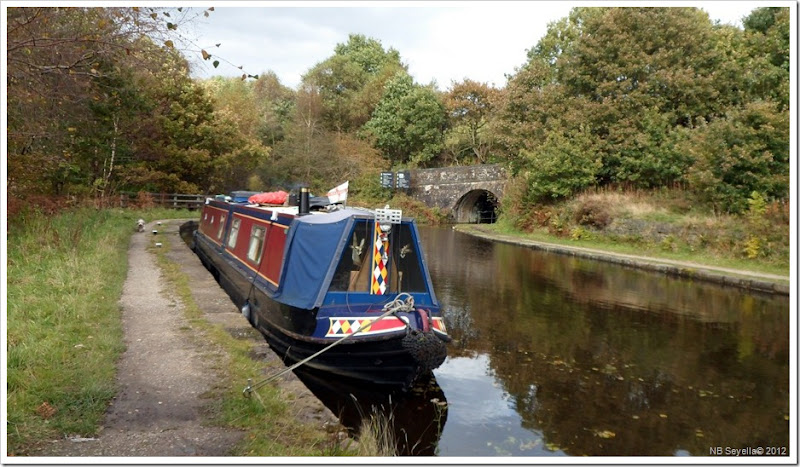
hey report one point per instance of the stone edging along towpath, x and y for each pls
(751, 280)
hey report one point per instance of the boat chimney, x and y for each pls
(303, 201)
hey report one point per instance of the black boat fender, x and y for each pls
(425, 346)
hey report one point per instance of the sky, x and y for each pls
(441, 42)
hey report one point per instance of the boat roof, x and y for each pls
(314, 246)
(317, 217)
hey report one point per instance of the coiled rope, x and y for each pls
(398, 304)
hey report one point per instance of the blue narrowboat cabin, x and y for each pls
(306, 280)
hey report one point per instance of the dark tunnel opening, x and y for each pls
(476, 207)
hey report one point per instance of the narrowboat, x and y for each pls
(309, 279)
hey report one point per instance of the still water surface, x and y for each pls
(555, 355)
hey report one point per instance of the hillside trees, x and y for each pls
(350, 82)
(193, 147)
(314, 131)
(470, 134)
(100, 100)
(312, 154)
(641, 86)
(57, 59)
(747, 148)
(408, 122)
(745, 152)
(275, 103)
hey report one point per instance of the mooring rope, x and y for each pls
(398, 304)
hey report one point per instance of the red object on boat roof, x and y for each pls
(270, 197)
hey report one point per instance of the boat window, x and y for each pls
(406, 269)
(221, 227)
(354, 272)
(234, 233)
(256, 244)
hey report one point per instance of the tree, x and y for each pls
(745, 152)
(189, 145)
(104, 143)
(313, 155)
(63, 64)
(470, 106)
(348, 80)
(633, 78)
(767, 44)
(408, 122)
(561, 167)
(275, 103)
(305, 147)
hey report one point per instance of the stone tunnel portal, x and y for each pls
(476, 207)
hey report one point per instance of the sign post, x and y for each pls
(387, 180)
(403, 181)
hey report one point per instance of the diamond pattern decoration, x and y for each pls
(343, 326)
(379, 259)
(340, 326)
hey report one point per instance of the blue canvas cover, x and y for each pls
(242, 196)
(314, 244)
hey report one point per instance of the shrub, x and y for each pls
(752, 247)
(747, 150)
(580, 233)
(593, 213)
(561, 167)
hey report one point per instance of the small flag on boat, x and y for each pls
(338, 194)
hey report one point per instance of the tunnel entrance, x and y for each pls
(476, 207)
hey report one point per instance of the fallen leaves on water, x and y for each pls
(552, 447)
(438, 402)
(529, 445)
(605, 434)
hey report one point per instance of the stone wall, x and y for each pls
(443, 187)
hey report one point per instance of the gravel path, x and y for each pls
(165, 372)
(162, 374)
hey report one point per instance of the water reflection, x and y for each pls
(555, 354)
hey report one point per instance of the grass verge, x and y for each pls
(639, 249)
(661, 224)
(267, 417)
(64, 334)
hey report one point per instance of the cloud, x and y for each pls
(440, 42)
(480, 41)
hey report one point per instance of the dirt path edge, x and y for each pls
(165, 373)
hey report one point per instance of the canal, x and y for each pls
(555, 355)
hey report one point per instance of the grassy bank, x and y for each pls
(661, 224)
(64, 280)
(64, 330)
(268, 417)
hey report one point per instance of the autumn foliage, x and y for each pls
(100, 100)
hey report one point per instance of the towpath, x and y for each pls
(165, 375)
(753, 280)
